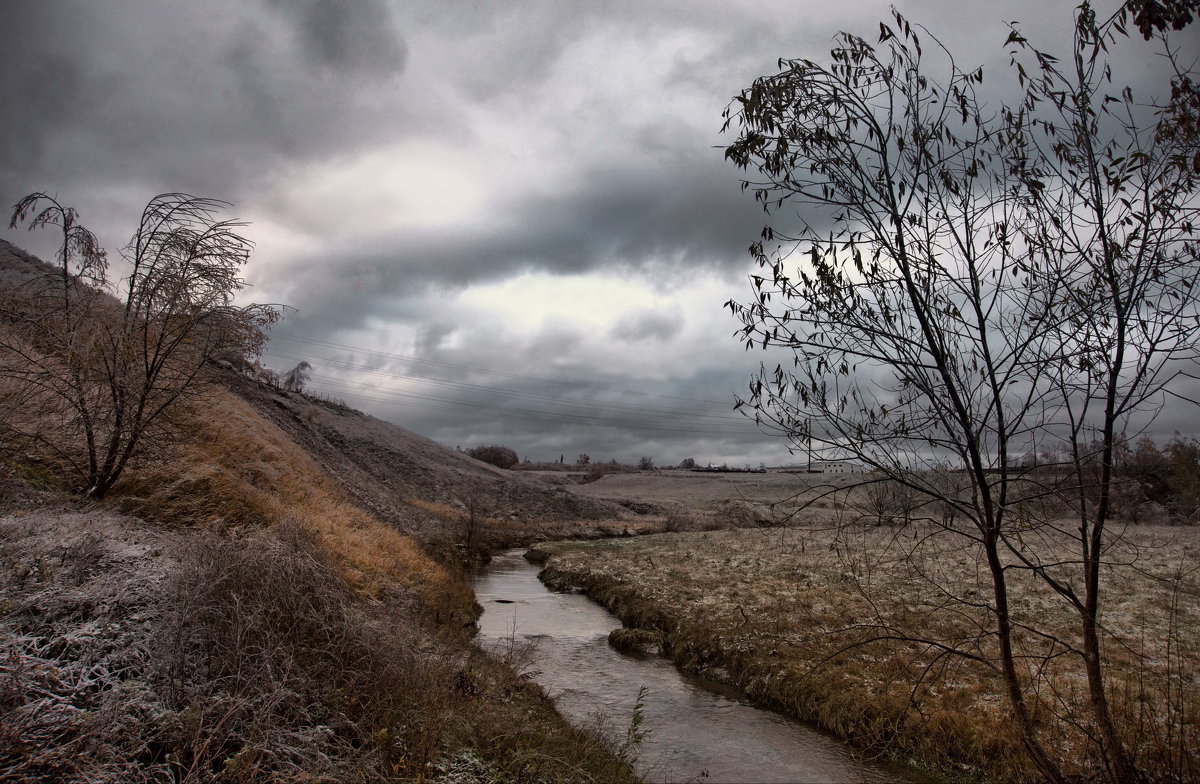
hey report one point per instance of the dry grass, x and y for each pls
(773, 495)
(467, 536)
(260, 627)
(798, 618)
(130, 654)
(241, 470)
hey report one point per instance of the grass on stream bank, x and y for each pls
(797, 619)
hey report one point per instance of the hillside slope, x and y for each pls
(256, 601)
(17, 265)
(422, 487)
(249, 623)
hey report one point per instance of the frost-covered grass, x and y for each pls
(131, 654)
(849, 627)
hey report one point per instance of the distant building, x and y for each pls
(834, 467)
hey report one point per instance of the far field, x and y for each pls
(700, 490)
(710, 499)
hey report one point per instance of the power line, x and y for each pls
(484, 371)
(457, 406)
(511, 393)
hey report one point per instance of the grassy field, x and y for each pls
(843, 625)
(701, 492)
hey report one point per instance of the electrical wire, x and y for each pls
(484, 371)
(686, 420)
(510, 393)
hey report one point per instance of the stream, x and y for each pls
(699, 730)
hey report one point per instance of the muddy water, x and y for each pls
(698, 730)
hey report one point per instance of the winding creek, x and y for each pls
(698, 730)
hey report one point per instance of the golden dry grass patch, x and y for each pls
(238, 468)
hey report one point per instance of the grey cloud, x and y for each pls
(46, 87)
(147, 98)
(356, 37)
(559, 391)
(554, 342)
(514, 47)
(431, 334)
(626, 435)
(594, 410)
(669, 223)
(648, 325)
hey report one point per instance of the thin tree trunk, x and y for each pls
(1012, 681)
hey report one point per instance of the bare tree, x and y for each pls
(964, 285)
(295, 379)
(115, 372)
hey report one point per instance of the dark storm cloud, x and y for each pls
(672, 223)
(206, 98)
(355, 37)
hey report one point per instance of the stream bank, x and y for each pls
(695, 729)
(728, 651)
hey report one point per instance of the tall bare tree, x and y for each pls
(114, 372)
(957, 286)
(295, 379)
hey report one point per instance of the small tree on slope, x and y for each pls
(115, 373)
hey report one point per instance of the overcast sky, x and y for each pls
(503, 222)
